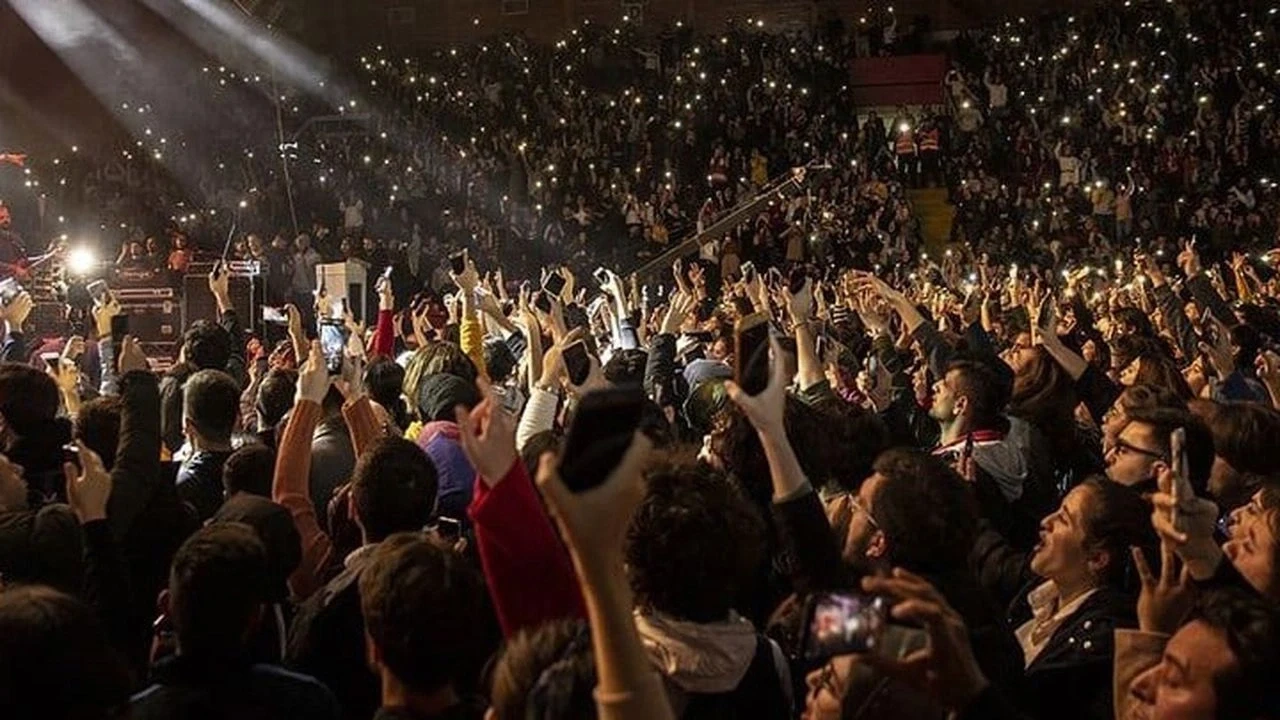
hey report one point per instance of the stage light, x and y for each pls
(81, 260)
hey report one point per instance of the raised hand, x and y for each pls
(488, 436)
(595, 522)
(132, 358)
(680, 307)
(947, 669)
(766, 410)
(313, 376)
(88, 486)
(1165, 600)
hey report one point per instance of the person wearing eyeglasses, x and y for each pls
(1141, 449)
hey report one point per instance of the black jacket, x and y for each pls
(189, 688)
(43, 546)
(326, 640)
(1071, 678)
(200, 482)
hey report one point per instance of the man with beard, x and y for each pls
(13, 253)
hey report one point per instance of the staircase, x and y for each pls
(936, 214)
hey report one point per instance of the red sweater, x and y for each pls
(530, 575)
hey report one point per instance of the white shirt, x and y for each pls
(1047, 616)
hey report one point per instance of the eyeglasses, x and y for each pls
(1121, 447)
(858, 507)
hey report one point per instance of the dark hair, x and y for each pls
(546, 673)
(1045, 396)
(207, 345)
(384, 379)
(250, 469)
(1251, 625)
(438, 357)
(275, 396)
(1199, 446)
(1244, 434)
(394, 487)
(55, 658)
(499, 362)
(626, 367)
(422, 608)
(694, 544)
(97, 425)
(735, 441)
(29, 398)
(1135, 319)
(536, 446)
(853, 437)
(1150, 396)
(987, 391)
(1120, 520)
(211, 401)
(925, 511)
(217, 582)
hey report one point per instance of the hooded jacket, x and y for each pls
(727, 659)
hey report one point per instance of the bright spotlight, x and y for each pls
(81, 261)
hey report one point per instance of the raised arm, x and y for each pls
(136, 472)
(530, 577)
(290, 486)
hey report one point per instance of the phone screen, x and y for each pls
(843, 623)
(98, 291)
(274, 315)
(554, 284)
(602, 275)
(577, 363)
(458, 262)
(748, 271)
(333, 342)
(599, 436)
(542, 302)
(751, 354)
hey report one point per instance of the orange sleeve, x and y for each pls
(290, 488)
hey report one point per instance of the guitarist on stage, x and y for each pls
(13, 254)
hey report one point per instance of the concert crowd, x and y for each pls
(811, 467)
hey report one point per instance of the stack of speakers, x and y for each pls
(245, 284)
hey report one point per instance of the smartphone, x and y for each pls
(448, 529)
(751, 353)
(542, 302)
(843, 623)
(333, 343)
(384, 278)
(601, 275)
(71, 454)
(98, 291)
(1045, 315)
(275, 316)
(577, 363)
(602, 430)
(748, 271)
(9, 289)
(820, 348)
(1182, 489)
(51, 360)
(458, 262)
(554, 284)
(796, 280)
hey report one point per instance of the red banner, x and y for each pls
(901, 80)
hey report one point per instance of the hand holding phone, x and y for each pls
(751, 353)
(602, 429)
(577, 363)
(843, 623)
(1181, 490)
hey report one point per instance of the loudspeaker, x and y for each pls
(154, 313)
(348, 282)
(246, 297)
